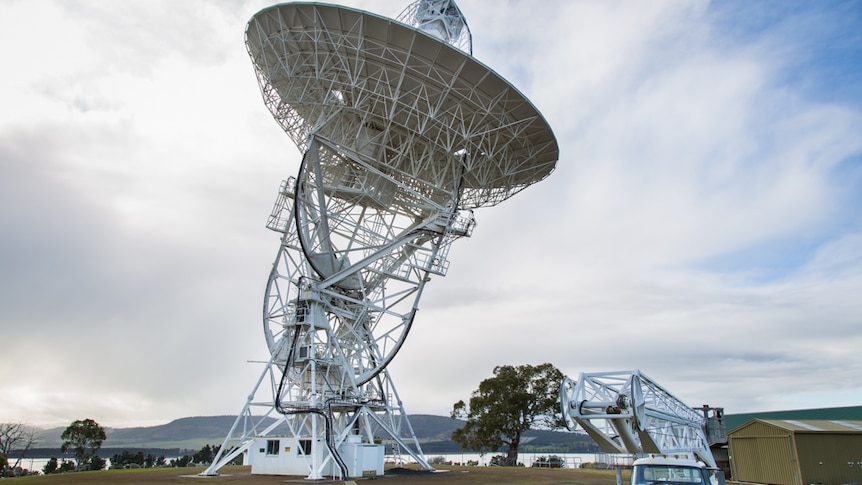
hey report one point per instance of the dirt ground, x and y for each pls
(461, 475)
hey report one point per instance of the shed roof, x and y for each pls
(850, 413)
(817, 425)
(811, 425)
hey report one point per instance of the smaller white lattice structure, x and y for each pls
(626, 412)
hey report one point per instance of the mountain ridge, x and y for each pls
(193, 432)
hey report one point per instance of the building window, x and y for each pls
(305, 446)
(272, 447)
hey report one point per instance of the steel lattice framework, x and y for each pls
(403, 134)
(417, 109)
(628, 413)
(442, 19)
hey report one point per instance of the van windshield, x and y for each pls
(667, 475)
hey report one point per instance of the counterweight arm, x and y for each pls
(627, 412)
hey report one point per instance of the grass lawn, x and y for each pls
(242, 474)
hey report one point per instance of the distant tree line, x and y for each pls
(205, 456)
(84, 438)
(127, 459)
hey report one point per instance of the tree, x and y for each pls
(205, 455)
(84, 438)
(51, 466)
(15, 437)
(126, 458)
(181, 462)
(516, 399)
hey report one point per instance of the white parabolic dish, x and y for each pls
(406, 103)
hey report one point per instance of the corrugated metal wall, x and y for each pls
(763, 453)
(764, 459)
(829, 457)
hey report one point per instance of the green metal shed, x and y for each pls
(792, 452)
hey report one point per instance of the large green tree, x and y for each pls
(515, 400)
(84, 438)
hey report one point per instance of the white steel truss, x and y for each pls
(418, 108)
(627, 412)
(403, 135)
(442, 19)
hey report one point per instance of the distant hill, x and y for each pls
(212, 428)
(192, 433)
(430, 427)
(434, 432)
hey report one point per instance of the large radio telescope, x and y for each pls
(403, 134)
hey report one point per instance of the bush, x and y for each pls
(595, 466)
(500, 460)
(97, 463)
(50, 467)
(126, 458)
(181, 462)
(552, 461)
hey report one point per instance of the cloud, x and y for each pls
(133, 214)
(680, 148)
(702, 223)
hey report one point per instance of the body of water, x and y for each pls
(571, 460)
(32, 464)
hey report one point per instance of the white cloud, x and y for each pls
(138, 165)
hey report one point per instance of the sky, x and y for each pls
(703, 224)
